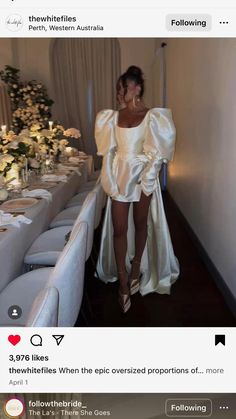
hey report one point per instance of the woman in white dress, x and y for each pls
(134, 141)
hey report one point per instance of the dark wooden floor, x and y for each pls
(194, 301)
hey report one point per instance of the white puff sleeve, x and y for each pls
(159, 144)
(106, 147)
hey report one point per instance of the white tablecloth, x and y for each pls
(15, 242)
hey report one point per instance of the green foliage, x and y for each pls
(22, 149)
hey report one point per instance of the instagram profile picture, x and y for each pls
(13, 408)
(14, 22)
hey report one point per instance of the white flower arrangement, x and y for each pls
(72, 132)
(30, 142)
(14, 149)
(48, 140)
(29, 100)
(5, 159)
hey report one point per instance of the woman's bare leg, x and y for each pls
(120, 211)
(140, 213)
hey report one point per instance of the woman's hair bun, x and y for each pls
(135, 71)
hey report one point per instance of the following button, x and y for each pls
(188, 408)
(188, 23)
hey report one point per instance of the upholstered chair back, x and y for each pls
(44, 311)
(87, 214)
(68, 276)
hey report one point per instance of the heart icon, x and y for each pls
(14, 339)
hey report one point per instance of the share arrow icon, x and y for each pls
(58, 338)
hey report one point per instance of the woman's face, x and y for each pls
(127, 95)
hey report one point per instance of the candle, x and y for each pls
(4, 129)
(68, 151)
(26, 169)
(3, 194)
(23, 175)
(50, 123)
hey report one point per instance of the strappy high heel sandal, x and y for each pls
(124, 299)
(134, 283)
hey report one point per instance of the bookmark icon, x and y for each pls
(219, 339)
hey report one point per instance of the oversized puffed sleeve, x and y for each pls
(159, 144)
(106, 147)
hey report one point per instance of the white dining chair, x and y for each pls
(66, 217)
(67, 276)
(87, 215)
(47, 247)
(77, 199)
(87, 186)
(44, 311)
(69, 215)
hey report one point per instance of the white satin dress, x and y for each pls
(132, 159)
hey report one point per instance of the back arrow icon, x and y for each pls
(58, 338)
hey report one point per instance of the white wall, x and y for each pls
(31, 56)
(5, 52)
(201, 76)
(140, 52)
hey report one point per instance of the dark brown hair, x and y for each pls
(133, 73)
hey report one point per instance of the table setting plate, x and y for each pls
(71, 167)
(42, 185)
(19, 204)
(69, 164)
(62, 173)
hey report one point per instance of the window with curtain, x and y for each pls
(84, 74)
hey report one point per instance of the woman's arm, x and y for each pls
(106, 146)
(158, 146)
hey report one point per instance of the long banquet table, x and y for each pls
(15, 242)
